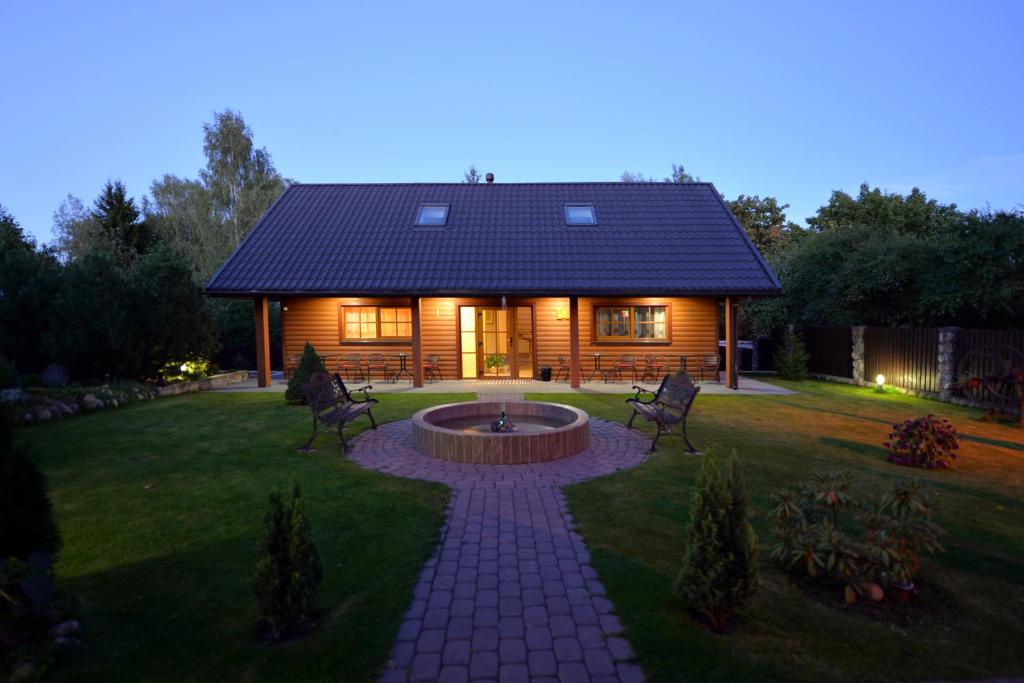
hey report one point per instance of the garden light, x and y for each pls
(880, 382)
(184, 367)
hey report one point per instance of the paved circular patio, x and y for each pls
(510, 594)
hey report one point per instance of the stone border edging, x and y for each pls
(205, 384)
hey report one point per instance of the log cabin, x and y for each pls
(492, 280)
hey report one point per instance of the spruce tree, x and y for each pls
(309, 364)
(289, 572)
(719, 572)
(791, 359)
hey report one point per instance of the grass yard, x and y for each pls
(161, 507)
(634, 522)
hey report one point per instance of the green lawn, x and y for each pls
(161, 507)
(634, 522)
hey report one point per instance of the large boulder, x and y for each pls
(90, 402)
(55, 376)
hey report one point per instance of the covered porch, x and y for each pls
(747, 386)
(419, 342)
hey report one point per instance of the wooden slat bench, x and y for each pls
(667, 407)
(333, 405)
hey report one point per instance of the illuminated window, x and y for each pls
(580, 214)
(395, 323)
(432, 214)
(623, 323)
(376, 322)
(649, 322)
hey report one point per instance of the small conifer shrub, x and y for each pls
(720, 567)
(309, 365)
(288, 573)
(791, 359)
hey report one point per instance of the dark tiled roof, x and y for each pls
(657, 238)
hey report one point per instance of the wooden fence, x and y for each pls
(907, 356)
(984, 364)
(829, 350)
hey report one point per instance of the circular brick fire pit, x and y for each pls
(460, 432)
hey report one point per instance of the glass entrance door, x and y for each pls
(496, 342)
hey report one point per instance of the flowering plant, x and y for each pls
(927, 442)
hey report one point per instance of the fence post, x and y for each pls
(948, 359)
(857, 339)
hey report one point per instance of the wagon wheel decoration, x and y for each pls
(994, 376)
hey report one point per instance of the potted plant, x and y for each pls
(495, 361)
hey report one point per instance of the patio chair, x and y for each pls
(709, 364)
(333, 406)
(624, 362)
(350, 363)
(291, 363)
(564, 367)
(654, 367)
(667, 408)
(432, 368)
(378, 361)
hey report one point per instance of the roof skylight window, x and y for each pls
(432, 214)
(580, 214)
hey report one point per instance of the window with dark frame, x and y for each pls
(376, 323)
(432, 215)
(580, 214)
(631, 323)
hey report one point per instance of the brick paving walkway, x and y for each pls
(510, 594)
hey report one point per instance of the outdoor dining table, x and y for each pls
(597, 369)
(403, 368)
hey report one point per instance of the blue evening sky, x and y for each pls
(780, 98)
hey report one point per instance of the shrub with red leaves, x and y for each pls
(927, 442)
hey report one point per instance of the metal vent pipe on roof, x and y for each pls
(490, 178)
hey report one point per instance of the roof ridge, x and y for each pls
(531, 182)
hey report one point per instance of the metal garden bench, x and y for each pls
(333, 405)
(667, 408)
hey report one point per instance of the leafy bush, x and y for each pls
(926, 442)
(288, 574)
(720, 571)
(791, 358)
(309, 364)
(822, 532)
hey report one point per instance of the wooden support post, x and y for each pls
(262, 310)
(731, 347)
(574, 342)
(417, 344)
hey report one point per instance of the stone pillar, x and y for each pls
(949, 357)
(857, 337)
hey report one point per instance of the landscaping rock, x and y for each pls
(12, 396)
(26, 671)
(55, 376)
(43, 414)
(90, 402)
(66, 629)
(112, 403)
